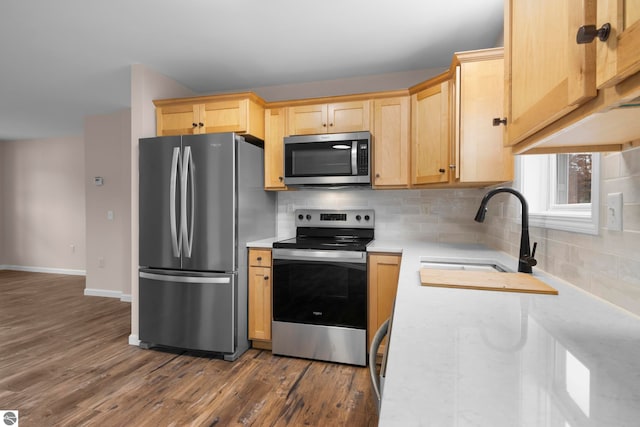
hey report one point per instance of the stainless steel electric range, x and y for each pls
(320, 287)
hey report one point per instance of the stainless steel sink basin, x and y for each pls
(473, 265)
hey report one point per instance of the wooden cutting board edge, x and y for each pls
(520, 282)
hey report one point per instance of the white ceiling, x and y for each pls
(65, 59)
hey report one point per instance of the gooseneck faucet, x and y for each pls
(526, 258)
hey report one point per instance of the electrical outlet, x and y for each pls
(614, 211)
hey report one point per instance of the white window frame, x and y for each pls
(537, 180)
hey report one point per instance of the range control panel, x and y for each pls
(357, 218)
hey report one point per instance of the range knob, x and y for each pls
(308, 217)
(300, 217)
(367, 217)
(358, 217)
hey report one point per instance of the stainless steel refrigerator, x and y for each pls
(201, 200)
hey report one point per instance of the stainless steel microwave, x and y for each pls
(335, 159)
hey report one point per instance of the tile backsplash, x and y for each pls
(432, 215)
(607, 264)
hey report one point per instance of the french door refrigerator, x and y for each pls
(201, 200)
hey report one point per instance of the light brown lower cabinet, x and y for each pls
(259, 281)
(383, 271)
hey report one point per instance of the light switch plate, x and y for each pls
(614, 211)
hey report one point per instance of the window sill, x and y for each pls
(568, 221)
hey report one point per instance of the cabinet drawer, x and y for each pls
(260, 257)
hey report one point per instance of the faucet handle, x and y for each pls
(533, 252)
(530, 259)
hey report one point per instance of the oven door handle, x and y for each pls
(353, 257)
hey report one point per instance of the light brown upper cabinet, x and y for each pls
(562, 95)
(550, 74)
(430, 133)
(242, 113)
(350, 116)
(391, 142)
(275, 125)
(619, 57)
(478, 151)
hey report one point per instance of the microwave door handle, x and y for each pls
(354, 157)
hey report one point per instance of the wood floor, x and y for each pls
(65, 360)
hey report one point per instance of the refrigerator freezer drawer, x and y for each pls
(193, 312)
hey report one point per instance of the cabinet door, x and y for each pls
(391, 142)
(260, 303)
(224, 116)
(177, 120)
(351, 116)
(307, 119)
(481, 153)
(619, 56)
(430, 135)
(548, 73)
(274, 149)
(384, 271)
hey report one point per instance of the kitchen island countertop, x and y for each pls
(489, 358)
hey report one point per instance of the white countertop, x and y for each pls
(461, 357)
(263, 243)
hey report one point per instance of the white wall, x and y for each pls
(107, 153)
(375, 83)
(146, 85)
(43, 221)
(2, 202)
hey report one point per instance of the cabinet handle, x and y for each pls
(377, 175)
(200, 124)
(324, 125)
(259, 258)
(330, 124)
(441, 170)
(497, 121)
(266, 277)
(280, 179)
(587, 33)
(195, 125)
(452, 166)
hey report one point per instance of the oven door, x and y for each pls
(320, 287)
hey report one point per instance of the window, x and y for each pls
(562, 190)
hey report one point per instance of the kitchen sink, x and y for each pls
(474, 265)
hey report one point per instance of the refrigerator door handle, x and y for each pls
(188, 183)
(176, 241)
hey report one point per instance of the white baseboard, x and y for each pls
(44, 270)
(134, 340)
(102, 293)
(107, 293)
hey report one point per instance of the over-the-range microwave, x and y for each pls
(334, 159)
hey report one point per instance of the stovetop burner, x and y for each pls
(350, 230)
